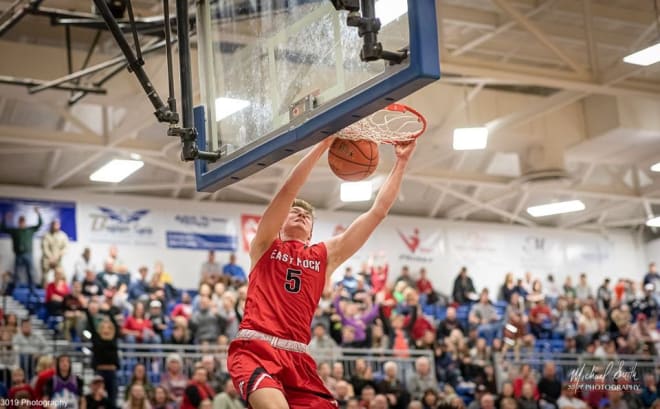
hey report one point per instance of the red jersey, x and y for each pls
(284, 289)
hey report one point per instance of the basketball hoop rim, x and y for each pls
(368, 128)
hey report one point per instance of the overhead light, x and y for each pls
(135, 156)
(654, 222)
(355, 191)
(225, 107)
(470, 138)
(656, 167)
(556, 208)
(648, 56)
(116, 170)
(389, 10)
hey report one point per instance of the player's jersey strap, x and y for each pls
(284, 289)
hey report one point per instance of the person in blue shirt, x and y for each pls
(233, 271)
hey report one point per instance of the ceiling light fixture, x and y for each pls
(550, 209)
(470, 138)
(225, 107)
(656, 167)
(653, 222)
(389, 10)
(651, 54)
(356, 191)
(116, 170)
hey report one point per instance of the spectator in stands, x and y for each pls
(337, 372)
(206, 324)
(540, 319)
(487, 401)
(551, 287)
(43, 374)
(536, 294)
(161, 400)
(549, 386)
(379, 273)
(65, 387)
(139, 288)
(647, 303)
(137, 398)
(367, 396)
(105, 355)
(507, 289)
(173, 380)
(506, 393)
(464, 291)
(139, 377)
(158, 319)
(53, 248)
(356, 316)
(56, 291)
(480, 353)
(569, 400)
(649, 391)
(405, 277)
(604, 296)
(343, 392)
(569, 289)
(528, 399)
(228, 398)
(325, 373)
(184, 308)
(525, 376)
(204, 290)
(74, 304)
(421, 380)
(91, 286)
(20, 389)
(446, 367)
(96, 398)
(616, 401)
(321, 342)
(180, 333)
(564, 318)
(589, 320)
(396, 393)
(430, 399)
(449, 324)
(215, 376)
(348, 281)
(211, 270)
(83, 265)
(21, 239)
(479, 392)
(28, 344)
(10, 324)
(483, 316)
(380, 401)
(362, 377)
(227, 313)
(198, 389)
(583, 289)
(507, 403)
(138, 328)
(233, 272)
(108, 277)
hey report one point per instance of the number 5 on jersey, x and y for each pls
(292, 283)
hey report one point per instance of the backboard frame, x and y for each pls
(423, 68)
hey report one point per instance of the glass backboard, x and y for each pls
(278, 76)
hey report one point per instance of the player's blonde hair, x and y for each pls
(303, 205)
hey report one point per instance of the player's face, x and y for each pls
(298, 223)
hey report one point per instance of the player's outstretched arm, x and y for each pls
(276, 212)
(343, 246)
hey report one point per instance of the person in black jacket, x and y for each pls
(549, 387)
(464, 291)
(105, 351)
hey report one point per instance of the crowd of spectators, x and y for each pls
(463, 332)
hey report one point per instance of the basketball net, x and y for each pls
(397, 123)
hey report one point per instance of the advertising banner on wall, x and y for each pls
(12, 208)
(119, 225)
(200, 232)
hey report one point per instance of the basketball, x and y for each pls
(353, 160)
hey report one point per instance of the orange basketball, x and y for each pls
(353, 160)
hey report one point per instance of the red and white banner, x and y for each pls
(249, 224)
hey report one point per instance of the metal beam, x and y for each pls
(467, 208)
(484, 206)
(529, 26)
(499, 30)
(519, 206)
(592, 47)
(51, 167)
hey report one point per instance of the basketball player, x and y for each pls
(267, 361)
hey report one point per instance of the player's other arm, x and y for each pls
(343, 246)
(276, 212)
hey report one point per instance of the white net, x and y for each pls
(394, 124)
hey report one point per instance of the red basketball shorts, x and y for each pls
(255, 364)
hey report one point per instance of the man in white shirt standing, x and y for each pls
(83, 265)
